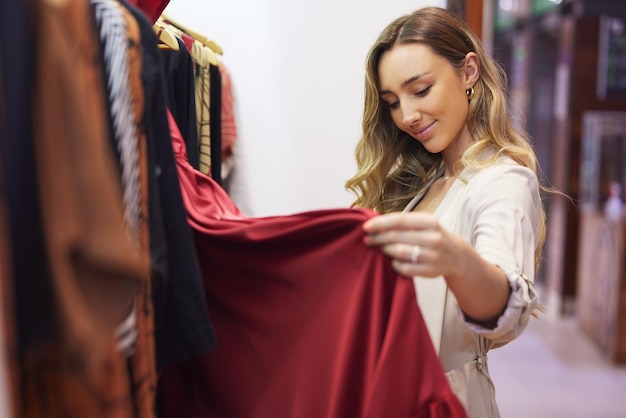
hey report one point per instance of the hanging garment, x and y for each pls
(181, 96)
(229, 127)
(119, 38)
(24, 223)
(121, 45)
(202, 77)
(310, 322)
(94, 270)
(151, 8)
(183, 328)
(216, 123)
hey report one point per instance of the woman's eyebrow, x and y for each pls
(406, 82)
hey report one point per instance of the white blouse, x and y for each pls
(498, 210)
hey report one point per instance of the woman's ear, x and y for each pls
(471, 70)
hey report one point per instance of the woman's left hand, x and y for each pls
(417, 244)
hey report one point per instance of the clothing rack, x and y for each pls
(201, 38)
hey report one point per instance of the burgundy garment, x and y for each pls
(309, 321)
(151, 8)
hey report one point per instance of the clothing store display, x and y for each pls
(202, 78)
(483, 207)
(207, 84)
(310, 322)
(142, 363)
(114, 35)
(94, 270)
(183, 328)
(69, 238)
(131, 286)
(181, 99)
(119, 38)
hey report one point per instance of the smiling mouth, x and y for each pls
(422, 132)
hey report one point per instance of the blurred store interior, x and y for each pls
(566, 64)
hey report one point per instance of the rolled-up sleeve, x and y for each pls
(506, 213)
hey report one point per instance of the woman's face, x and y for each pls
(426, 96)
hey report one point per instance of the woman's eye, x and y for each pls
(391, 104)
(423, 92)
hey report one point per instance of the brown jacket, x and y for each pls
(96, 270)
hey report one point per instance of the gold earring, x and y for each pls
(470, 93)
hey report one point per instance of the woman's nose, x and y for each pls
(410, 115)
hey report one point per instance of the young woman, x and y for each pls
(457, 187)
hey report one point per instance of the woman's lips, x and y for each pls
(424, 132)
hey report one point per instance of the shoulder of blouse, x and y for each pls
(503, 171)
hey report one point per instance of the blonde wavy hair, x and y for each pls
(392, 166)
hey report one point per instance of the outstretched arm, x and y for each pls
(480, 287)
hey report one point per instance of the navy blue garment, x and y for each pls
(181, 99)
(216, 123)
(34, 324)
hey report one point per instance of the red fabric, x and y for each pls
(188, 40)
(309, 321)
(229, 128)
(151, 8)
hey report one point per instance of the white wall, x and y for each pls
(298, 71)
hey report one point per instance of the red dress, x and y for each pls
(309, 321)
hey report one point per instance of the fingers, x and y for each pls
(406, 253)
(403, 236)
(407, 228)
(412, 240)
(410, 269)
(401, 221)
(410, 260)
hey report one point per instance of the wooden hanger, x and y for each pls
(167, 40)
(203, 39)
(212, 56)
